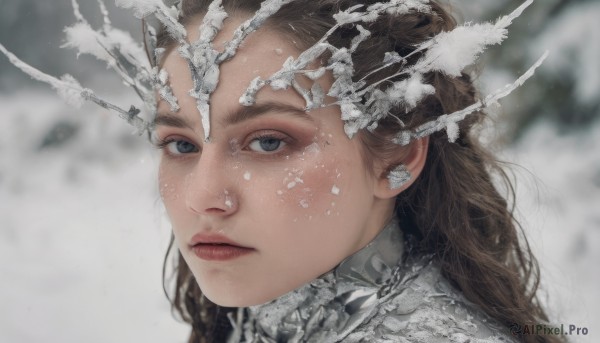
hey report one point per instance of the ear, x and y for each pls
(413, 158)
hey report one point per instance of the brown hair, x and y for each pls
(453, 210)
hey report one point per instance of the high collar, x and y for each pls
(331, 306)
(373, 264)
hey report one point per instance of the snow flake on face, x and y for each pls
(247, 176)
(303, 203)
(293, 178)
(312, 149)
(335, 190)
(228, 200)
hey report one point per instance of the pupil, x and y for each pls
(184, 147)
(270, 144)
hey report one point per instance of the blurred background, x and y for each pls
(83, 232)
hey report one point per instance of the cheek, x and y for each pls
(171, 184)
(168, 180)
(166, 186)
(306, 188)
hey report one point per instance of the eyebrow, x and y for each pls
(248, 112)
(164, 119)
(240, 115)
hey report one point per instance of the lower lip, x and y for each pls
(214, 252)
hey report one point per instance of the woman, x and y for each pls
(285, 218)
(317, 189)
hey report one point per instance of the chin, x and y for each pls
(236, 298)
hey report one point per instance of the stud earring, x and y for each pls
(398, 177)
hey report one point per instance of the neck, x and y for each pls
(371, 265)
(348, 293)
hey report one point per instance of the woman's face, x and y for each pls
(285, 189)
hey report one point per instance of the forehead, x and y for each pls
(262, 54)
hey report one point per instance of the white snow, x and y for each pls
(83, 233)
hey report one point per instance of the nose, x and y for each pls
(210, 188)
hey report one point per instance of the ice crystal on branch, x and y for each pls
(204, 60)
(167, 16)
(448, 121)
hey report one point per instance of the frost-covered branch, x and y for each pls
(167, 16)
(71, 91)
(364, 104)
(267, 9)
(449, 121)
(67, 87)
(105, 17)
(112, 46)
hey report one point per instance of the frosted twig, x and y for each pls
(104, 11)
(72, 92)
(267, 8)
(76, 12)
(37, 74)
(164, 90)
(507, 20)
(202, 60)
(212, 23)
(131, 115)
(143, 8)
(450, 120)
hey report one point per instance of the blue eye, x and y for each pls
(266, 144)
(179, 147)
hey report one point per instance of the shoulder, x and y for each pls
(423, 307)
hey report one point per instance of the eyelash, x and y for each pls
(163, 144)
(265, 135)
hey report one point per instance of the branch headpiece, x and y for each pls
(362, 104)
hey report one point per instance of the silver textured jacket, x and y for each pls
(371, 296)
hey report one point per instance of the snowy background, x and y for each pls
(83, 232)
